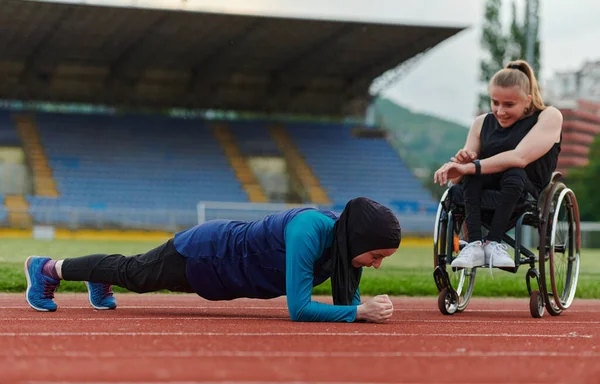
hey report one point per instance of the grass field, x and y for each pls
(408, 272)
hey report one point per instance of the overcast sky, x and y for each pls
(444, 82)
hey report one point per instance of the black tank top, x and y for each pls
(495, 139)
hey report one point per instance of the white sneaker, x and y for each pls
(471, 256)
(496, 255)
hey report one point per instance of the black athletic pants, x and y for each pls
(509, 187)
(160, 268)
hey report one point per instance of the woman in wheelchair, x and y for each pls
(511, 151)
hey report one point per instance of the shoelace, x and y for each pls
(494, 249)
(473, 244)
(107, 290)
(49, 290)
(469, 245)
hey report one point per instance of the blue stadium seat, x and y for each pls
(8, 132)
(124, 165)
(348, 166)
(253, 138)
(135, 162)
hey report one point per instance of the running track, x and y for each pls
(184, 339)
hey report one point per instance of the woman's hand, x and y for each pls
(451, 170)
(464, 156)
(376, 310)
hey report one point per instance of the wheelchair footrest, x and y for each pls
(507, 269)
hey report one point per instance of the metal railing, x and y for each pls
(170, 220)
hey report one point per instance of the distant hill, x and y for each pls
(423, 140)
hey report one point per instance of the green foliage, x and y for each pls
(516, 47)
(502, 48)
(584, 181)
(494, 42)
(424, 141)
(517, 42)
(436, 190)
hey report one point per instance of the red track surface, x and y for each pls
(182, 338)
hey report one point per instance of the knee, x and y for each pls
(132, 276)
(470, 182)
(514, 177)
(471, 187)
(455, 193)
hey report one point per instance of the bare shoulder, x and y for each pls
(478, 122)
(479, 119)
(550, 123)
(551, 113)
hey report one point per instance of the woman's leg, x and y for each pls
(160, 268)
(157, 269)
(473, 255)
(512, 186)
(473, 187)
(514, 183)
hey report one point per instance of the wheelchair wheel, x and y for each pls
(547, 213)
(536, 304)
(564, 248)
(448, 301)
(559, 248)
(448, 239)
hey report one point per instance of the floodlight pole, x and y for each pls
(531, 24)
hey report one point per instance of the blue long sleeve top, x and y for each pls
(281, 254)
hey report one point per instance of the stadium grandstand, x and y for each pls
(128, 117)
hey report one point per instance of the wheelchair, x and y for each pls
(555, 216)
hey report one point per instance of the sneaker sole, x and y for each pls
(90, 299)
(474, 265)
(467, 266)
(29, 286)
(503, 266)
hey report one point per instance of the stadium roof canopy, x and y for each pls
(203, 60)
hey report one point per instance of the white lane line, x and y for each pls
(310, 354)
(243, 308)
(112, 318)
(201, 317)
(205, 382)
(288, 334)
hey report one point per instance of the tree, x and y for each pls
(584, 182)
(517, 44)
(503, 48)
(436, 190)
(517, 39)
(494, 42)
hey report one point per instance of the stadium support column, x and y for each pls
(44, 183)
(356, 108)
(239, 164)
(298, 166)
(18, 211)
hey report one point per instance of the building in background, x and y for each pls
(577, 95)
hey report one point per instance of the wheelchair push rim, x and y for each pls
(564, 249)
(446, 240)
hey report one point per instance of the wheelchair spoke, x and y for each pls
(564, 249)
(449, 238)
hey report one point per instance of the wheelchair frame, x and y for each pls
(542, 215)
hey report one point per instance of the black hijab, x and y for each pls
(363, 226)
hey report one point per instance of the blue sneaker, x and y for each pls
(40, 288)
(101, 295)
